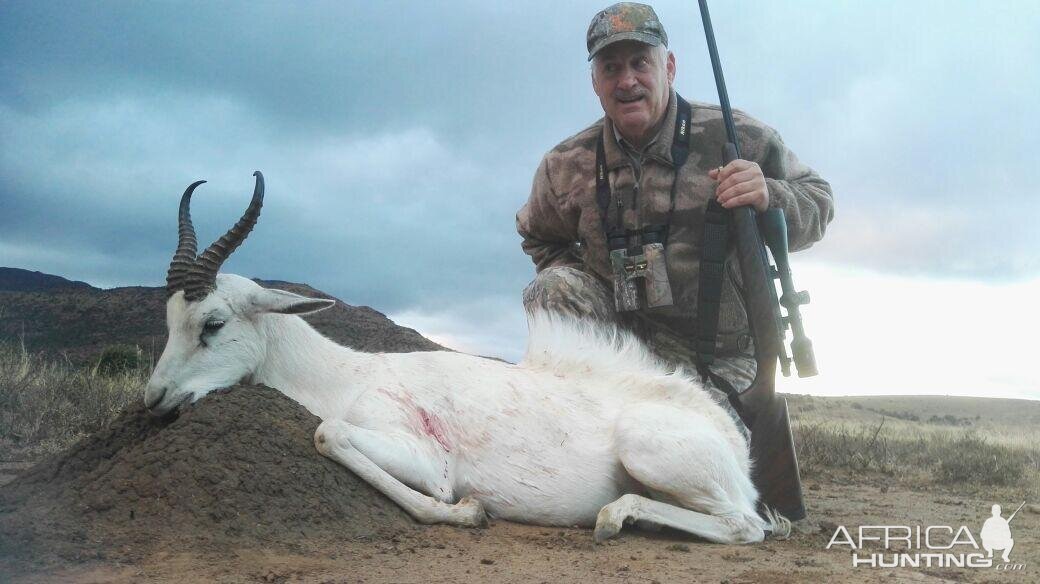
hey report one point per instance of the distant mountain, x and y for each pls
(78, 320)
(19, 280)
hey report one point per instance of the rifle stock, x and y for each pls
(775, 471)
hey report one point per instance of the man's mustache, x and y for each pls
(630, 95)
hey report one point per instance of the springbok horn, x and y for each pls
(202, 275)
(184, 257)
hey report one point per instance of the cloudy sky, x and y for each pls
(398, 139)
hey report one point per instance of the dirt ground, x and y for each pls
(507, 552)
(223, 493)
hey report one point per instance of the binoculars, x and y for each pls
(640, 273)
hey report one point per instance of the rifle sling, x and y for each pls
(726, 387)
(716, 238)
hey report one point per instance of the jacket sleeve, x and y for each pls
(804, 196)
(547, 235)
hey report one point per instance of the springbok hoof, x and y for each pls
(323, 442)
(605, 531)
(328, 435)
(607, 525)
(471, 512)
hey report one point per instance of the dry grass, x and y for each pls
(47, 404)
(971, 443)
(961, 457)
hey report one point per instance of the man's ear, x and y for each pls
(670, 67)
(282, 302)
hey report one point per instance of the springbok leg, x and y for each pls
(335, 439)
(679, 456)
(628, 508)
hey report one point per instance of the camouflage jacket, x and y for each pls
(561, 223)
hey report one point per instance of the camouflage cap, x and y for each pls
(625, 21)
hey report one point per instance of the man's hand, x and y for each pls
(741, 182)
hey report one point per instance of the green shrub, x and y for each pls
(118, 359)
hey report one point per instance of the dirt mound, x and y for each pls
(238, 469)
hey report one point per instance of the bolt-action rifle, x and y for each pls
(775, 470)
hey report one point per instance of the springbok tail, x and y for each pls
(779, 526)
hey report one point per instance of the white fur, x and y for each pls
(589, 429)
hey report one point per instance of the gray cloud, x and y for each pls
(398, 139)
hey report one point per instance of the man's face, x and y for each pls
(632, 81)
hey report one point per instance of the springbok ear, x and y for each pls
(282, 302)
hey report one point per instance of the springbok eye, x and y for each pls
(208, 329)
(212, 326)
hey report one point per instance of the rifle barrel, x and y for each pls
(1016, 511)
(720, 81)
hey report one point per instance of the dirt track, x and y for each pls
(232, 490)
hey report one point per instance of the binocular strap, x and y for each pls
(717, 222)
(680, 153)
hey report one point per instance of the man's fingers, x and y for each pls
(742, 200)
(735, 166)
(739, 201)
(737, 190)
(735, 172)
(745, 194)
(742, 176)
(740, 183)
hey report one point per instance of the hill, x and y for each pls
(19, 280)
(1008, 421)
(53, 315)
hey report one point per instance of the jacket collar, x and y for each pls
(660, 149)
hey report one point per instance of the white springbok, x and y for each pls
(589, 429)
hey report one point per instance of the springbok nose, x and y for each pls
(153, 395)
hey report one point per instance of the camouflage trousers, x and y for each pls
(572, 292)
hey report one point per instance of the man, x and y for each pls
(564, 227)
